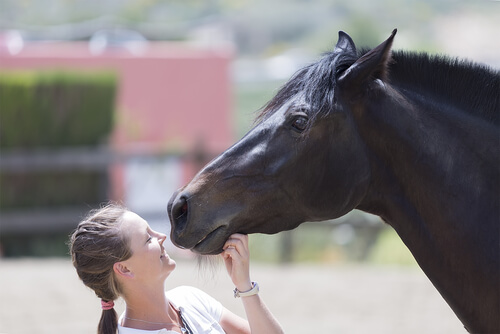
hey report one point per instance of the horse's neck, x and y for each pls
(433, 173)
(419, 146)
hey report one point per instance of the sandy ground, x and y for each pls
(45, 296)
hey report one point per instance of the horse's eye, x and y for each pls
(300, 123)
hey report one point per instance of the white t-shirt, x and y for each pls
(201, 312)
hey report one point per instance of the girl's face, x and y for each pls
(149, 260)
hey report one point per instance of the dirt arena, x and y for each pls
(45, 296)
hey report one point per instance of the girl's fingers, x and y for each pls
(236, 259)
(241, 237)
(232, 253)
(230, 248)
(238, 241)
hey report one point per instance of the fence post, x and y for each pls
(287, 247)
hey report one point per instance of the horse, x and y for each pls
(411, 137)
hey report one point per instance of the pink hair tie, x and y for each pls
(107, 305)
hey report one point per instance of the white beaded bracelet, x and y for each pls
(253, 291)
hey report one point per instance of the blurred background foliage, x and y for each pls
(257, 27)
(44, 110)
(51, 109)
(55, 108)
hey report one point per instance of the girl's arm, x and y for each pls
(261, 320)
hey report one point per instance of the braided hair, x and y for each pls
(95, 246)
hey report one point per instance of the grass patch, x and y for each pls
(316, 243)
(390, 249)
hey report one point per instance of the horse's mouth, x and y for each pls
(211, 243)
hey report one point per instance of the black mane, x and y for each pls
(473, 87)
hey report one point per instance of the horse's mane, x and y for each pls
(471, 86)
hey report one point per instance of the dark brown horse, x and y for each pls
(409, 137)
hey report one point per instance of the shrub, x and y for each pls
(51, 110)
(55, 108)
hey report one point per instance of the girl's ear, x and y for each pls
(122, 270)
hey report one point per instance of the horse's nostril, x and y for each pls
(179, 213)
(184, 209)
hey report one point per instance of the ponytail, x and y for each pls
(96, 245)
(108, 323)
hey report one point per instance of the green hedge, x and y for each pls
(48, 110)
(55, 108)
(51, 109)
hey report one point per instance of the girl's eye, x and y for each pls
(149, 239)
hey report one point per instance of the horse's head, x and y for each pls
(303, 161)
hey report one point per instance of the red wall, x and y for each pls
(171, 98)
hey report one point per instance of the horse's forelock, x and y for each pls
(315, 83)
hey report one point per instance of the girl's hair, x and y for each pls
(96, 245)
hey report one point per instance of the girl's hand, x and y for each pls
(236, 258)
(260, 319)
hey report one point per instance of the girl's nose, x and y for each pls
(161, 237)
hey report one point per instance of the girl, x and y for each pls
(116, 253)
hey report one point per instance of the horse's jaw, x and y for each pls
(202, 221)
(206, 234)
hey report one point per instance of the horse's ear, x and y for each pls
(372, 65)
(345, 44)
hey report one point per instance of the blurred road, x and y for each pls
(46, 296)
